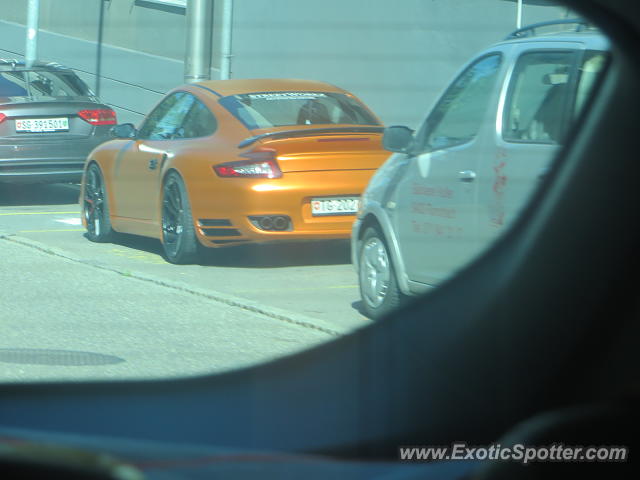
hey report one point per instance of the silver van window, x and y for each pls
(461, 111)
(539, 97)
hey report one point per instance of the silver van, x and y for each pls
(455, 183)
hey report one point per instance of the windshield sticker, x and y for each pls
(286, 96)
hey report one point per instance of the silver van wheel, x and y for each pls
(375, 271)
(376, 275)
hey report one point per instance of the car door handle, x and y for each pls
(153, 163)
(467, 176)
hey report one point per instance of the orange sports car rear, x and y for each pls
(221, 163)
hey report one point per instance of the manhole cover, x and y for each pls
(36, 356)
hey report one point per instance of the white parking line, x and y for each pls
(33, 213)
(69, 221)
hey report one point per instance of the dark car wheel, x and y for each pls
(376, 275)
(96, 206)
(178, 234)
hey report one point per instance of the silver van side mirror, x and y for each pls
(397, 138)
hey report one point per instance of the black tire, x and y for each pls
(178, 233)
(377, 276)
(96, 207)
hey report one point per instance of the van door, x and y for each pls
(436, 208)
(540, 104)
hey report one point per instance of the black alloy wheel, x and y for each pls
(178, 233)
(96, 207)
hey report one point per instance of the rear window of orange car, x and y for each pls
(277, 109)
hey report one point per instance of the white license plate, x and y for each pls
(42, 125)
(334, 206)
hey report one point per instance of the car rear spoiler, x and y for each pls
(309, 131)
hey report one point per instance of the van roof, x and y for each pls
(561, 30)
(592, 40)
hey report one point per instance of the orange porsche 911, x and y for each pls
(220, 163)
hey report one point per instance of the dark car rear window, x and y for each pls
(276, 109)
(41, 83)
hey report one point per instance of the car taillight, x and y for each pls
(99, 116)
(261, 164)
(2, 117)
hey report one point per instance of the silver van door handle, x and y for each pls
(467, 176)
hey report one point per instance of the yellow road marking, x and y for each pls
(144, 257)
(37, 213)
(302, 289)
(53, 230)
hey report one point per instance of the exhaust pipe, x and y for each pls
(271, 222)
(266, 223)
(280, 223)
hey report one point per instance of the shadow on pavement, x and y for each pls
(38, 194)
(357, 306)
(331, 252)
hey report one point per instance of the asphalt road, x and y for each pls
(70, 308)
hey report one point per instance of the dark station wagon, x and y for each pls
(49, 122)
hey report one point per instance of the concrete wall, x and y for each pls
(129, 24)
(397, 55)
(141, 56)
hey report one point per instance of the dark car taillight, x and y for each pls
(261, 164)
(2, 117)
(98, 116)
